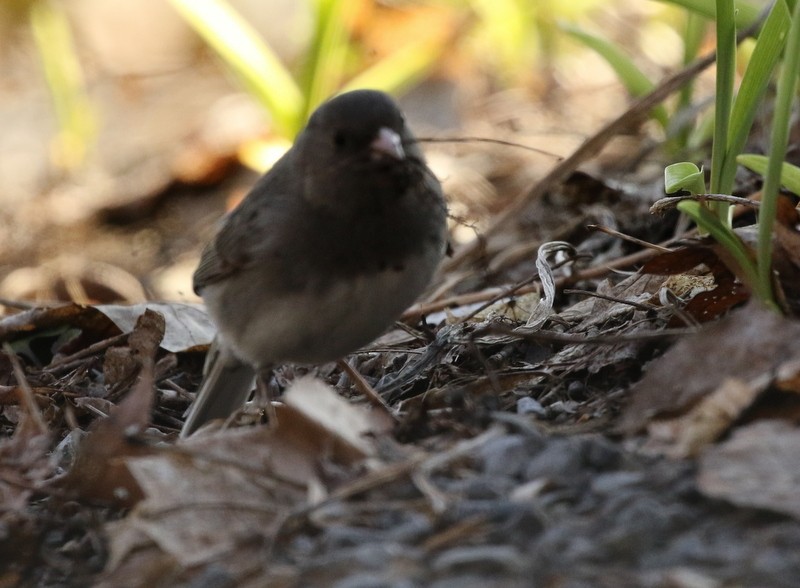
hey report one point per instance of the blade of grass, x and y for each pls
(325, 62)
(694, 32)
(726, 69)
(251, 59)
(786, 93)
(755, 82)
(790, 174)
(684, 176)
(62, 71)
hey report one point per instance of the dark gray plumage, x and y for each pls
(329, 247)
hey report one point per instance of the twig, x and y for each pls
(629, 238)
(68, 361)
(25, 391)
(664, 204)
(553, 337)
(368, 391)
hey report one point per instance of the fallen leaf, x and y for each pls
(685, 436)
(100, 472)
(706, 303)
(187, 326)
(759, 466)
(748, 345)
(24, 465)
(218, 497)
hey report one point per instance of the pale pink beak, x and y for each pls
(388, 143)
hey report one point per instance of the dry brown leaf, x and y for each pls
(340, 419)
(786, 255)
(24, 466)
(100, 472)
(759, 466)
(705, 304)
(219, 497)
(73, 315)
(707, 421)
(747, 345)
(187, 326)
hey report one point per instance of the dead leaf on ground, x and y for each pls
(100, 472)
(703, 424)
(187, 326)
(759, 466)
(749, 346)
(704, 303)
(24, 466)
(217, 499)
(786, 255)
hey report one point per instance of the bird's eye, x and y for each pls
(339, 139)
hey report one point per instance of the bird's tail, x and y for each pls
(226, 384)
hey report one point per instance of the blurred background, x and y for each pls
(128, 128)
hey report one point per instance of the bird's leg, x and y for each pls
(263, 396)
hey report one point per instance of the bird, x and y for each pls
(324, 253)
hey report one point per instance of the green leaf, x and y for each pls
(76, 118)
(325, 62)
(726, 71)
(684, 176)
(251, 59)
(790, 174)
(754, 85)
(779, 137)
(631, 76)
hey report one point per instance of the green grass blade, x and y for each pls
(726, 70)
(65, 80)
(781, 121)
(325, 63)
(790, 174)
(755, 81)
(251, 59)
(693, 35)
(629, 74)
(684, 176)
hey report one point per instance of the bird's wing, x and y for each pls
(250, 229)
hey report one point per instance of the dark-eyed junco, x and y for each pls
(329, 247)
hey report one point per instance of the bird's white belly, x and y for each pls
(314, 327)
